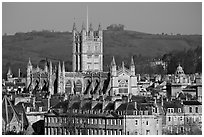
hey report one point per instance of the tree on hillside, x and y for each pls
(116, 27)
(190, 60)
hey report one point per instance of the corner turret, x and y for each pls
(9, 74)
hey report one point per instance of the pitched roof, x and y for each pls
(26, 104)
(62, 104)
(87, 106)
(110, 106)
(75, 105)
(126, 106)
(20, 110)
(144, 106)
(98, 106)
(8, 111)
(139, 99)
(172, 104)
(9, 84)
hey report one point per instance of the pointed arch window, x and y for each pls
(68, 86)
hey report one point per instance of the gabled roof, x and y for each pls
(110, 106)
(98, 106)
(61, 105)
(87, 106)
(76, 105)
(126, 106)
(20, 110)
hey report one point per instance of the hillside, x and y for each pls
(16, 49)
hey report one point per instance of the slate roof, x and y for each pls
(9, 84)
(172, 104)
(192, 102)
(144, 106)
(53, 102)
(87, 106)
(126, 106)
(26, 104)
(61, 105)
(20, 84)
(76, 105)
(110, 106)
(98, 106)
(88, 115)
(138, 99)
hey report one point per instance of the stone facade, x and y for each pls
(88, 77)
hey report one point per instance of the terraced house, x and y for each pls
(103, 117)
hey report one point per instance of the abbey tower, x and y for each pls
(87, 52)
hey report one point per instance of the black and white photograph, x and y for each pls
(101, 68)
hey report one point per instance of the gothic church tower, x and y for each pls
(87, 49)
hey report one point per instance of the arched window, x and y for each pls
(123, 86)
(68, 86)
(78, 87)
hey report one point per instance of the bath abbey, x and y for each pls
(82, 89)
(87, 78)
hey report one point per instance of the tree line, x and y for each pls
(190, 60)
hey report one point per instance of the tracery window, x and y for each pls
(123, 86)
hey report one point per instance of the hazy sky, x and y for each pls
(184, 18)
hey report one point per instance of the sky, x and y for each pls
(166, 17)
